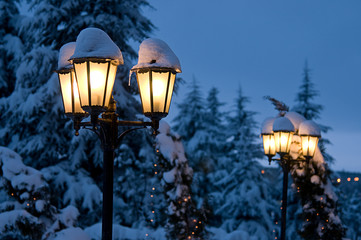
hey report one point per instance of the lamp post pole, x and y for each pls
(285, 168)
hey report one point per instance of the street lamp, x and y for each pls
(93, 63)
(284, 129)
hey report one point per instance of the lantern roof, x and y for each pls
(65, 52)
(295, 118)
(283, 124)
(95, 43)
(309, 127)
(156, 53)
(267, 125)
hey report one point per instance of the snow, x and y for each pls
(40, 205)
(93, 42)
(315, 179)
(72, 234)
(65, 52)
(169, 177)
(20, 176)
(309, 128)
(295, 118)
(69, 215)
(9, 218)
(121, 232)
(156, 53)
(283, 124)
(267, 125)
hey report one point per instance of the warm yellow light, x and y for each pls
(309, 144)
(262, 171)
(338, 180)
(269, 146)
(356, 179)
(156, 89)
(69, 92)
(283, 141)
(348, 179)
(95, 78)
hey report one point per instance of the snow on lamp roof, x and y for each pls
(295, 118)
(267, 125)
(283, 124)
(65, 53)
(156, 53)
(310, 128)
(93, 42)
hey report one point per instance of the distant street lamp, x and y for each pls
(87, 83)
(277, 134)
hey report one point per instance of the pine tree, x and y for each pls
(319, 203)
(184, 220)
(32, 120)
(242, 199)
(310, 110)
(11, 47)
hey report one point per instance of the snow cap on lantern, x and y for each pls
(267, 125)
(283, 124)
(95, 61)
(309, 128)
(94, 42)
(65, 52)
(295, 118)
(156, 53)
(156, 72)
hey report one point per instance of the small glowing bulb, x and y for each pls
(194, 220)
(196, 226)
(153, 189)
(262, 171)
(146, 234)
(200, 222)
(28, 204)
(321, 198)
(356, 179)
(155, 165)
(155, 172)
(348, 179)
(193, 233)
(151, 220)
(152, 211)
(338, 180)
(151, 195)
(185, 199)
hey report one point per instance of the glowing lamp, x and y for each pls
(283, 131)
(156, 90)
(95, 78)
(70, 93)
(310, 133)
(269, 145)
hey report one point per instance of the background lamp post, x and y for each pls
(283, 129)
(95, 59)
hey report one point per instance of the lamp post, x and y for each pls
(94, 70)
(277, 134)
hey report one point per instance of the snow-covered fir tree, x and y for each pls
(242, 199)
(32, 119)
(11, 47)
(306, 106)
(184, 221)
(308, 189)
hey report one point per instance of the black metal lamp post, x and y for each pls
(277, 137)
(95, 78)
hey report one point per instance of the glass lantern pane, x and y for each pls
(290, 137)
(65, 86)
(144, 90)
(277, 141)
(170, 91)
(269, 144)
(77, 106)
(98, 74)
(284, 141)
(159, 87)
(82, 80)
(111, 80)
(312, 145)
(304, 144)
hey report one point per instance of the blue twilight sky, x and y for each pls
(262, 45)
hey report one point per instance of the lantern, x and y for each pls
(310, 134)
(70, 93)
(95, 78)
(283, 131)
(269, 145)
(156, 89)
